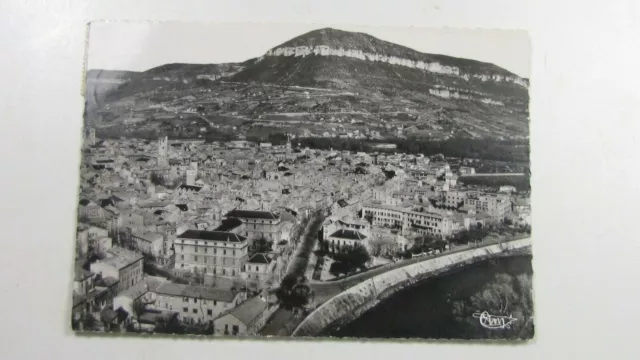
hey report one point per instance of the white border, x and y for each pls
(585, 110)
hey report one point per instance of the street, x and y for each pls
(283, 321)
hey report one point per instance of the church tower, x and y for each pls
(163, 151)
(92, 137)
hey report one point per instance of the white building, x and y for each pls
(121, 264)
(196, 304)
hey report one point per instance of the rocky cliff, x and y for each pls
(433, 67)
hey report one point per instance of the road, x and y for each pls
(324, 290)
(283, 321)
(298, 264)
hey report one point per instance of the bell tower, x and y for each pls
(163, 151)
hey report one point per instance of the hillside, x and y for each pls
(323, 83)
(338, 39)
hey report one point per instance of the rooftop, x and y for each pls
(121, 257)
(81, 274)
(348, 234)
(197, 291)
(141, 288)
(253, 214)
(260, 259)
(190, 187)
(249, 310)
(148, 236)
(212, 235)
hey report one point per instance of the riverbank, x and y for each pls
(435, 307)
(354, 301)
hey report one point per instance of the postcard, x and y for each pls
(290, 180)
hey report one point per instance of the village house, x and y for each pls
(259, 270)
(120, 264)
(245, 319)
(148, 243)
(194, 303)
(343, 237)
(142, 292)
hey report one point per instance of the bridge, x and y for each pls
(347, 304)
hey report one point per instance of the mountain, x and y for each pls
(174, 76)
(358, 61)
(323, 78)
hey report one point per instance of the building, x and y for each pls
(244, 320)
(259, 269)
(194, 303)
(344, 237)
(498, 206)
(217, 253)
(403, 218)
(466, 170)
(454, 199)
(92, 137)
(120, 264)
(258, 224)
(163, 152)
(192, 174)
(129, 219)
(143, 292)
(507, 189)
(148, 243)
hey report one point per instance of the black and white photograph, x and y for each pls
(304, 180)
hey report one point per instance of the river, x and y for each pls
(431, 309)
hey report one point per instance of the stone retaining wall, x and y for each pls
(352, 302)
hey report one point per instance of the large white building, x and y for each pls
(497, 206)
(217, 253)
(403, 217)
(258, 224)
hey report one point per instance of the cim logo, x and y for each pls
(494, 322)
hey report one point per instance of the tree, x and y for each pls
(294, 292)
(262, 245)
(170, 325)
(351, 258)
(198, 276)
(376, 249)
(369, 218)
(139, 307)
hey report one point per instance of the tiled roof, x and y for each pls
(212, 235)
(190, 187)
(81, 274)
(196, 291)
(249, 310)
(348, 234)
(253, 214)
(260, 259)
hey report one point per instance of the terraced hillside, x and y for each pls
(324, 83)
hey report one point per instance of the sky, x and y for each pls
(139, 46)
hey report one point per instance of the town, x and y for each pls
(239, 238)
